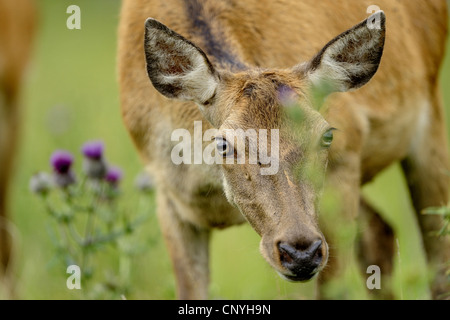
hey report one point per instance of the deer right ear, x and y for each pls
(351, 59)
(178, 68)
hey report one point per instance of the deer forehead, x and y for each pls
(257, 98)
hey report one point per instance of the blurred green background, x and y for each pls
(71, 96)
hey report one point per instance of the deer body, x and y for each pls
(243, 53)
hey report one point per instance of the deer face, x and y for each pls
(279, 147)
(272, 139)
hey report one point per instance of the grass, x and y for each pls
(71, 96)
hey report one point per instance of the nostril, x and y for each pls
(287, 253)
(316, 253)
(315, 249)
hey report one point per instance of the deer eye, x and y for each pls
(327, 138)
(223, 147)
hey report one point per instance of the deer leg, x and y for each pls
(427, 171)
(188, 247)
(375, 248)
(9, 132)
(9, 122)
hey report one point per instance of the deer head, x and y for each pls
(281, 206)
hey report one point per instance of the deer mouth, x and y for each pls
(299, 278)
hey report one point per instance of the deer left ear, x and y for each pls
(178, 68)
(351, 59)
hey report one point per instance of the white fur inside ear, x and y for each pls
(197, 83)
(330, 73)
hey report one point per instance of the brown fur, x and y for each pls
(16, 31)
(397, 116)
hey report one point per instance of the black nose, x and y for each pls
(303, 262)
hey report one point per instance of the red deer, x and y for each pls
(231, 65)
(16, 32)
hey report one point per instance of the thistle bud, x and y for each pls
(113, 176)
(61, 162)
(144, 182)
(94, 164)
(40, 183)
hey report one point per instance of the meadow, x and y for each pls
(71, 96)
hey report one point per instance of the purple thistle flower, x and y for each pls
(93, 164)
(61, 161)
(93, 150)
(113, 175)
